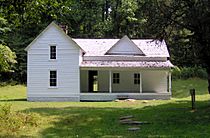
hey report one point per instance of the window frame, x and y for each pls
(116, 78)
(136, 78)
(55, 78)
(50, 53)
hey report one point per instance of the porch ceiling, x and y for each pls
(128, 64)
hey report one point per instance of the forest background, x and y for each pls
(184, 25)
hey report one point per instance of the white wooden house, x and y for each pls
(60, 68)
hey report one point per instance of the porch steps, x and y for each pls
(126, 117)
(133, 128)
(128, 120)
(122, 97)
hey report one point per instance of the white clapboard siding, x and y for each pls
(154, 81)
(66, 64)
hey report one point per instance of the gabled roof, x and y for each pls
(125, 47)
(48, 27)
(99, 47)
(152, 47)
(95, 47)
(105, 47)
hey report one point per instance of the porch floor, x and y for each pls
(119, 92)
(113, 96)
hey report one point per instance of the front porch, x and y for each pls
(108, 84)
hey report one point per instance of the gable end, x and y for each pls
(59, 29)
(125, 46)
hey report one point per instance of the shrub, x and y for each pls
(10, 82)
(176, 73)
(13, 122)
(189, 72)
(201, 73)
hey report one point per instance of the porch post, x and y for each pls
(169, 82)
(110, 81)
(140, 85)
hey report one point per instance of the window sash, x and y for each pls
(52, 52)
(116, 78)
(53, 78)
(136, 78)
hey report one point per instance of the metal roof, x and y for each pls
(128, 64)
(99, 47)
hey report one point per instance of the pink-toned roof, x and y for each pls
(127, 64)
(152, 47)
(99, 47)
(96, 47)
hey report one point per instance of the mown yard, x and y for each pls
(168, 118)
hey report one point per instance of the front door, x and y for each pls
(93, 80)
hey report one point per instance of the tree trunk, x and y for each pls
(103, 10)
(107, 9)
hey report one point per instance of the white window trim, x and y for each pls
(53, 44)
(52, 87)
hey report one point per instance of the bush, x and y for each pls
(13, 122)
(189, 72)
(176, 73)
(10, 82)
(201, 73)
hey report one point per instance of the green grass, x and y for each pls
(180, 88)
(169, 118)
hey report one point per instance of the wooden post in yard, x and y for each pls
(192, 93)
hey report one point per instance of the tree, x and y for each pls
(3, 28)
(7, 58)
(166, 17)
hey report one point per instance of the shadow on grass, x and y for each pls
(167, 120)
(12, 100)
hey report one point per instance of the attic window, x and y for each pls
(52, 52)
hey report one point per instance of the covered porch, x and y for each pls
(102, 84)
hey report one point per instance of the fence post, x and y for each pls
(192, 93)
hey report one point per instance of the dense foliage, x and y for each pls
(189, 72)
(7, 57)
(183, 24)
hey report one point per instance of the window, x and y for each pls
(52, 52)
(53, 78)
(136, 78)
(116, 78)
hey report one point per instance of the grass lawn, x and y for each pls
(169, 118)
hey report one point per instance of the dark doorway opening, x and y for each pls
(93, 81)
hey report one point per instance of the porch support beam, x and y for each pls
(110, 81)
(169, 82)
(140, 85)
